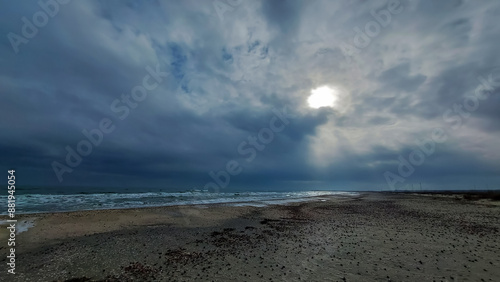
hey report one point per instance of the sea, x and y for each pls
(28, 203)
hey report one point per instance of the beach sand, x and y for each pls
(373, 237)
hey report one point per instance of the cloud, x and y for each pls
(225, 79)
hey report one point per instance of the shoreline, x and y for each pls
(487, 196)
(261, 202)
(472, 195)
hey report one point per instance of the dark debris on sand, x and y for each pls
(393, 238)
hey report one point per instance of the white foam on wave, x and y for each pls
(38, 203)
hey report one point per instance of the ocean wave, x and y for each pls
(41, 203)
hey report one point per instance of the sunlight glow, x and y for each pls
(322, 97)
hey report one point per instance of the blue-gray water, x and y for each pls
(37, 203)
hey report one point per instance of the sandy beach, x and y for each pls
(372, 237)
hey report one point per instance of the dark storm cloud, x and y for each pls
(227, 77)
(284, 14)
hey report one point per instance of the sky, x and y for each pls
(214, 94)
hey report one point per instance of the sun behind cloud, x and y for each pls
(323, 96)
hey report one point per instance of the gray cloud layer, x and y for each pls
(227, 75)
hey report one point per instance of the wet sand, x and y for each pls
(373, 237)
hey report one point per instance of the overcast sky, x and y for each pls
(219, 72)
